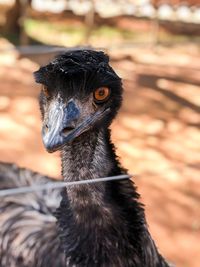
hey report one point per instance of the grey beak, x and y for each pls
(61, 121)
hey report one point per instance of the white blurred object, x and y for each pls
(165, 12)
(54, 6)
(129, 8)
(108, 8)
(183, 13)
(80, 7)
(147, 10)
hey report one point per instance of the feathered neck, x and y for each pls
(101, 224)
(89, 156)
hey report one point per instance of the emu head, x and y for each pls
(80, 92)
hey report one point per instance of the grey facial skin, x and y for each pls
(64, 123)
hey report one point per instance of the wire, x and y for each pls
(56, 185)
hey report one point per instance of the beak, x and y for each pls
(61, 121)
(64, 124)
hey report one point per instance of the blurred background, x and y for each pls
(155, 47)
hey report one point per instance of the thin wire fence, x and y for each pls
(58, 185)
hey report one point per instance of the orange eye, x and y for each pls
(45, 91)
(101, 94)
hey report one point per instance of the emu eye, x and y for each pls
(101, 94)
(45, 91)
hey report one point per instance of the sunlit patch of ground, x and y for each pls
(156, 134)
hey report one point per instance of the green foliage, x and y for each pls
(65, 34)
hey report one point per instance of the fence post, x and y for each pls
(89, 22)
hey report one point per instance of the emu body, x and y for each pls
(28, 232)
(98, 225)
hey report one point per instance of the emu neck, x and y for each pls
(101, 224)
(88, 157)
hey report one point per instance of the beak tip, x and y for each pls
(50, 148)
(48, 144)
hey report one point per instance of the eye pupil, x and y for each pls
(101, 92)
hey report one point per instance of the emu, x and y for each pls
(98, 225)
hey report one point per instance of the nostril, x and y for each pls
(66, 130)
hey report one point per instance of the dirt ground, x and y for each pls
(156, 134)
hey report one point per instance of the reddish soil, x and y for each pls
(156, 134)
